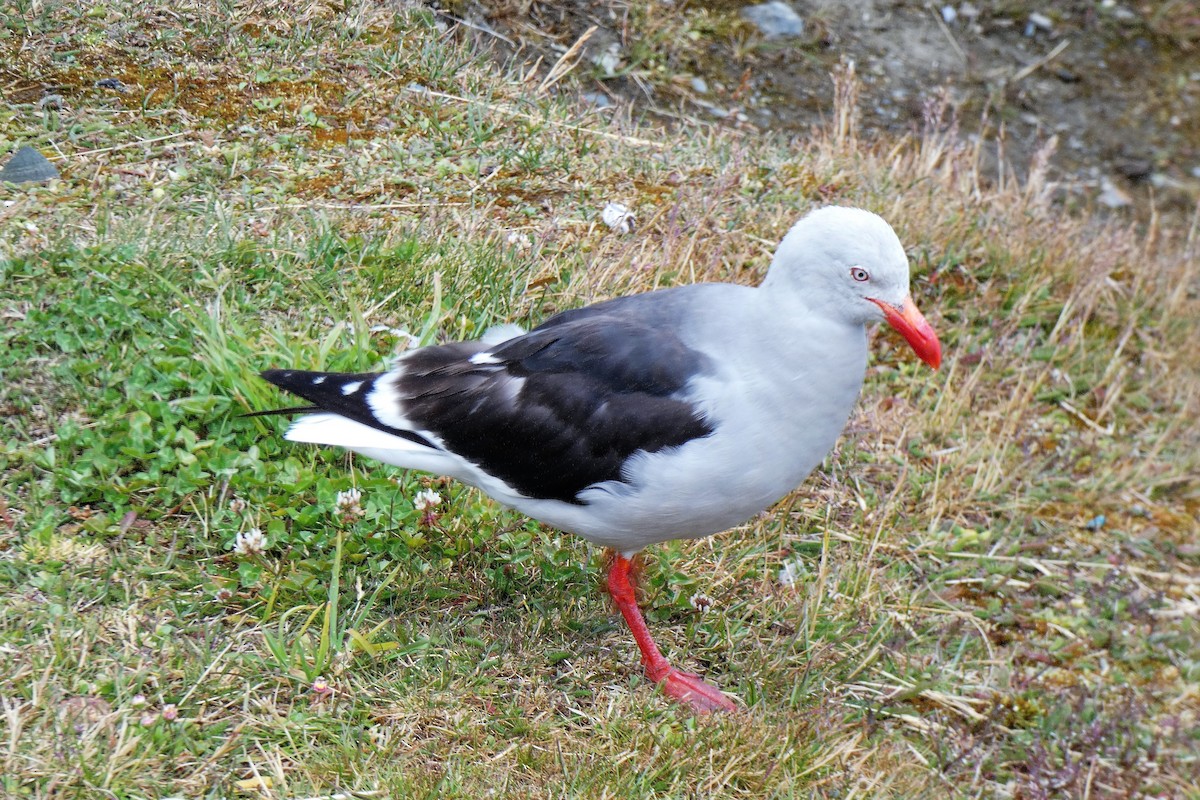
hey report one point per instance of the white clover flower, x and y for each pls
(426, 499)
(349, 504)
(519, 240)
(792, 571)
(250, 543)
(701, 602)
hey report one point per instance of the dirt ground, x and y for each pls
(1116, 83)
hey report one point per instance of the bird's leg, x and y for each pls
(682, 686)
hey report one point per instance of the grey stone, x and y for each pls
(775, 19)
(28, 166)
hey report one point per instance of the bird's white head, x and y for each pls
(849, 263)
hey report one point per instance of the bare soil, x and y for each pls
(1116, 85)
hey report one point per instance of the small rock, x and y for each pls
(1161, 180)
(110, 83)
(1112, 196)
(699, 85)
(609, 59)
(775, 19)
(28, 166)
(618, 217)
(949, 14)
(597, 99)
(54, 101)
(1041, 21)
(1096, 522)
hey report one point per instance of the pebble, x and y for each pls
(609, 59)
(1161, 180)
(775, 19)
(1041, 21)
(618, 217)
(1111, 196)
(596, 99)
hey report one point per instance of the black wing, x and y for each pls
(549, 413)
(560, 408)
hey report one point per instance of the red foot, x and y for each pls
(687, 688)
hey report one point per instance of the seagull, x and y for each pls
(672, 414)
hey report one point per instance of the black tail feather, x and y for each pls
(273, 411)
(322, 389)
(327, 392)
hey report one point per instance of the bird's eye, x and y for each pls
(859, 274)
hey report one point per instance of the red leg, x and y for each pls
(682, 686)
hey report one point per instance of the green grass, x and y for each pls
(278, 193)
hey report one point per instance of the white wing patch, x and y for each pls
(484, 358)
(352, 387)
(385, 403)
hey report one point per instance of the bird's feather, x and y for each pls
(549, 413)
